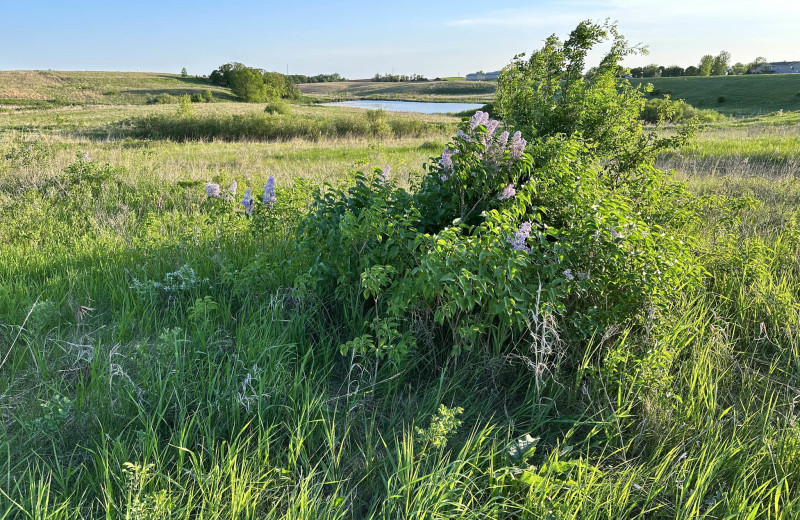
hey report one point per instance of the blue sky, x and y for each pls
(358, 39)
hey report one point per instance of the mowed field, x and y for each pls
(162, 355)
(47, 88)
(746, 95)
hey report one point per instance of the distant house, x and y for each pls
(483, 76)
(779, 67)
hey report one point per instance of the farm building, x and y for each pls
(780, 67)
(483, 76)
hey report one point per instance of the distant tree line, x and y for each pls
(396, 78)
(319, 78)
(254, 85)
(709, 65)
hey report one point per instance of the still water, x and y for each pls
(406, 106)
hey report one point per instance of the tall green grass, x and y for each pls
(225, 395)
(279, 127)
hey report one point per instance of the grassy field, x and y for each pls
(160, 359)
(45, 88)
(745, 95)
(748, 95)
(466, 91)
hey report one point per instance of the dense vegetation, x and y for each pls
(537, 324)
(253, 85)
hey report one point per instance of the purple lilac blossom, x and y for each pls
(491, 126)
(231, 191)
(502, 140)
(480, 118)
(385, 172)
(462, 135)
(269, 193)
(447, 160)
(568, 274)
(521, 236)
(247, 201)
(517, 146)
(507, 192)
(212, 190)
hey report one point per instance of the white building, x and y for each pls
(483, 76)
(780, 67)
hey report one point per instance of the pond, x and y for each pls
(407, 106)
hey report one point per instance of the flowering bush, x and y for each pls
(491, 248)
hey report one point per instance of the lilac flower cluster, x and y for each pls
(480, 118)
(519, 240)
(446, 162)
(507, 192)
(495, 145)
(269, 197)
(247, 201)
(231, 191)
(86, 157)
(212, 190)
(384, 178)
(517, 145)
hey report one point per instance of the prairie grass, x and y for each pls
(746, 95)
(54, 88)
(158, 361)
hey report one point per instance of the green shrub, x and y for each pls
(677, 111)
(722, 99)
(277, 107)
(272, 127)
(493, 250)
(208, 96)
(164, 99)
(548, 94)
(185, 108)
(197, 97)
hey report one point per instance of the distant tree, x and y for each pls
(651, 71)
(739, 68)
(222, 75)
(249, 85)
(637, 72)
(691, 70)
(254, 85)
(184, 73)
(706, 63)
(673, 71)
(720, 63)
(753, 66)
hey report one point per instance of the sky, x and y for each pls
(358, 38)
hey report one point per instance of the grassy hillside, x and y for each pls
(44, 88)
(743, 95)
(478, 91)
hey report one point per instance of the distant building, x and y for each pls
(779, 67)
(483, 76)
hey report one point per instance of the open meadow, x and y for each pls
(337, 347)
